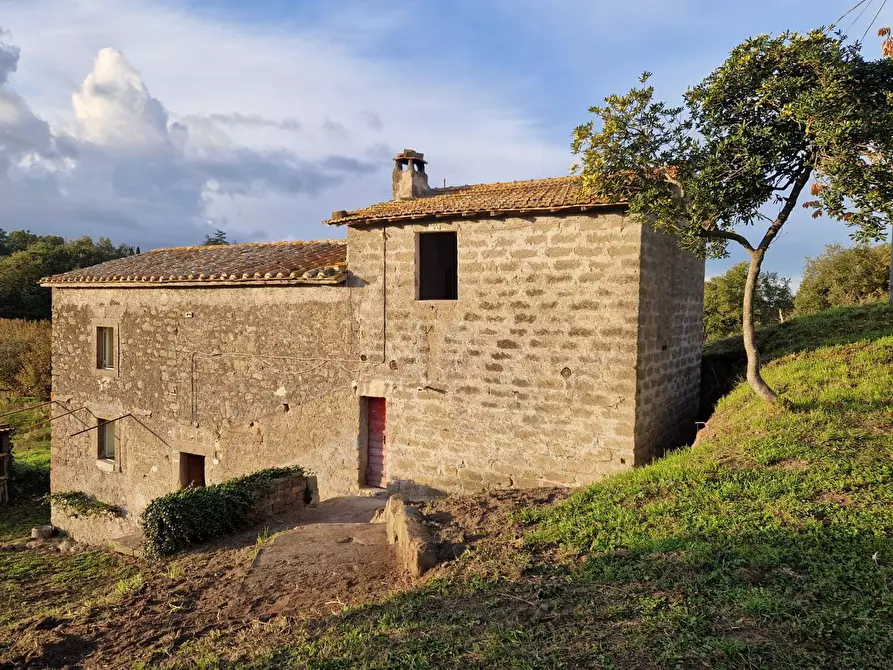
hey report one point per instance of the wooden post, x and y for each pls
(5, 462)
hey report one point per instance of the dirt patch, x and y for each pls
(321, 560)
(317, 570)
(226, 587)
(460, 522)
(792, 464)
(841, 499)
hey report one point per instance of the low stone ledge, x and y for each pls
(415, 548)
(96, 529)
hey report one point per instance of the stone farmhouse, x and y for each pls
(497, 335)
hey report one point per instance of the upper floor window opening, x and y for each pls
(438, 266)
(105, 348)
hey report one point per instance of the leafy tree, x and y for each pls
(841, 277)
(20, 271)
(740, 151)
(724, 296)
(216, 239)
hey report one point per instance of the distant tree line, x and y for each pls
(838, 277)
(25, 258)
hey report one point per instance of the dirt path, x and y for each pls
(317, 562)
(334, 557)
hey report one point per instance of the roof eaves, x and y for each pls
(51, 282)
(415, 216)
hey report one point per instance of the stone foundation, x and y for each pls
(295, 491)
(97, 529)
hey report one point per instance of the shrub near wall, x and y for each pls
(191, 516)
(25, 368)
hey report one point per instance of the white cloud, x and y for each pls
(262, 130)
(114, 108)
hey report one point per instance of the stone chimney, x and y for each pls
(410, 180)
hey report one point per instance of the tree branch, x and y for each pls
(726, 235)
(789, 204)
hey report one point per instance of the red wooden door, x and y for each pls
(376, 440)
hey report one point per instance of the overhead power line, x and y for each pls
(850, 11)
(883, 3)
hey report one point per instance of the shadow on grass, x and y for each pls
(724, 363)
(764, 599)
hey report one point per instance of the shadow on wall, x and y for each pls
(414, 491)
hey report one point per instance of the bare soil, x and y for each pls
(305, 567)
(459, 522)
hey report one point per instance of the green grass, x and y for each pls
(30, 479)
(770, 545)
(36, 584)
(30, 476)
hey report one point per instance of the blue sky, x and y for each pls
(262, 117)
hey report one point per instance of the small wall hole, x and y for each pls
(565, 372)
(285, 407)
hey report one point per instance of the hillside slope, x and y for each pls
(767, 545)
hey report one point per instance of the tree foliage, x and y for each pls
(218, 238)
(743, 146)
(25, 358)
(843, 277)
(25, 258)
(724, 295)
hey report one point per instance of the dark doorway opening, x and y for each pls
(192, 470)
(376, 441)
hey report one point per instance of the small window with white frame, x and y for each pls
(105, 440)
(105, 348)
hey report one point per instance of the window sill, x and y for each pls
(105, 464)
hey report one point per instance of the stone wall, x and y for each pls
(671, 308)
(294, 491)
(529, 378)
(249, 378)
(96, 529)
(563, 359)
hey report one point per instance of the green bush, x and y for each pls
(191, 516)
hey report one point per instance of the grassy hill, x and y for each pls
(766, 545)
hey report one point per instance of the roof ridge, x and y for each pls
(445, 189)
(524, 196)
(247, 244)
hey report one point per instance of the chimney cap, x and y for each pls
(411, 154)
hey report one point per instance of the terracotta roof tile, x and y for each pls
(534, 195)
(316, 262)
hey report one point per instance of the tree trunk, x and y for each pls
(890, 285)
(754, 378)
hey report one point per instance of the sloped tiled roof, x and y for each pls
(317, 262)
(514, 197)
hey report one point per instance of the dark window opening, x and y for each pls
(106, 439)
(438, 260)
(192, 470)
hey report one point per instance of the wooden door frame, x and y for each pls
(363, 439)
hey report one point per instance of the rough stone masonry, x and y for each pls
(565, 346)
